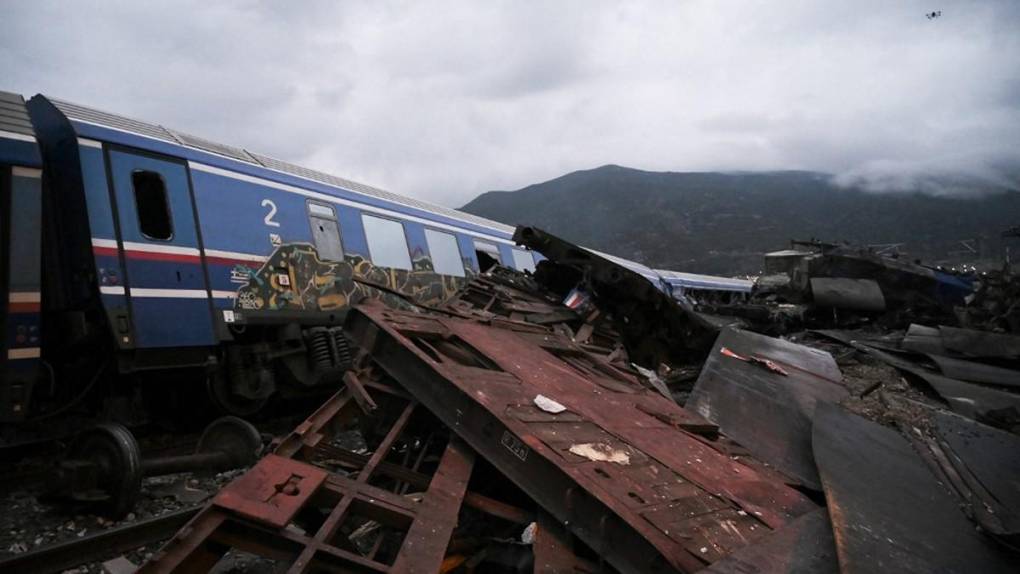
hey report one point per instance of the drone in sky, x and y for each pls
(933, 15)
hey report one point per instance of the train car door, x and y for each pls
(166, 282)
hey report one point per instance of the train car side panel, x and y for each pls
(167, 288)
(106, 249)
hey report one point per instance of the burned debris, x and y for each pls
(585, 419)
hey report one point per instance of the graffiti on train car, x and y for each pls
(295, 279)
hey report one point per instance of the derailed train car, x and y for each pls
(138, 258)
(137, 253)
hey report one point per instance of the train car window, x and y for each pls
(444, 252)
(487, 254)
(387, 243)
(523, 260)
(325, 232)
(152, 205)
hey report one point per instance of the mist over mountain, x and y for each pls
(722, 223)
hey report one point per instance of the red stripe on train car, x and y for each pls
(110, 251)
(152, 256)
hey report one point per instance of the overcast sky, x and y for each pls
(444, 100)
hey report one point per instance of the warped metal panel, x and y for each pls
(980, 343)
(641, 492)
(888, 512)
(769, 411)
(985, 469)
(976, 372)
(974, 401)
(922, 339)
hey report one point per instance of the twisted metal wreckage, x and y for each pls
(508, 432)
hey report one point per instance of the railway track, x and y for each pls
(99, 546)
(49, 470)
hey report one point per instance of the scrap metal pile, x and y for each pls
(507, 432)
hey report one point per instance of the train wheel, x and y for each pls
(234, 436)
(229, 402)
(114, 451)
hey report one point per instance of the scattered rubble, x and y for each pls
(582, 420)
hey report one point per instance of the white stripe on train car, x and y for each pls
(170, 293)
(18, 171)
(235, 255)
(14, 136)
(337, 200)
(111, 289)
(170, 249)
(90, 143)
(224, 294)
(26, 353)
(110, 243)
(25, 297)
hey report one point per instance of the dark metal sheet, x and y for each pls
(922, 339)
(644, 494)
(998, 408)
(805, 546)
(983, 465)
(980, 343)
(976, 372)
(654, 327)
(888, 512)
(768, 412)
(843, 293)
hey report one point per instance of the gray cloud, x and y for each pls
(442, 100)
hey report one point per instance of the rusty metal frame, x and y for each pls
(678, 505)
(274, 510)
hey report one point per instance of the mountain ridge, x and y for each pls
(723, 222)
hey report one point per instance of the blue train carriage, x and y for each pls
(694, 287)
(181, 253)
(20, 245)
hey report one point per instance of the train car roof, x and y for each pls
(705, 281)
(105, 126)
(17, 138)
(83, 116)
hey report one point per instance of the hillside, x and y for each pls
(722, 223)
